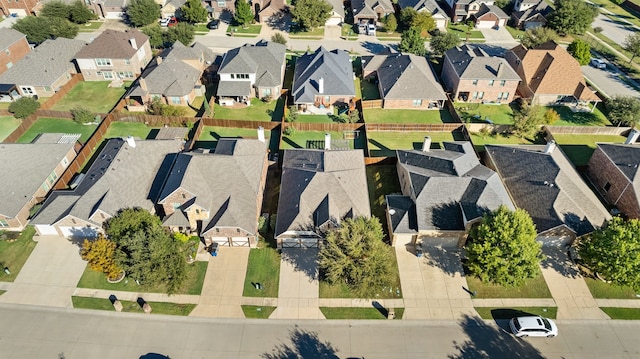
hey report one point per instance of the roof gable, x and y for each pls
(334, 67)
(113, 44)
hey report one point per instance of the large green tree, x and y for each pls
(183, 32)
(503, 248)
(412, 42)
(143, 12)
(581, 51)
(390, 23)
(572, 16)
(355, 254)
(538, 36)
(243, 15)
(145, 250)
(310, 14)
(632, 44)
(442, 41)
(527, 119)
(55, 8)
(80, 14)
(423, 21)
(624, 110)
(156, 35)
(406, 17)
(38, 29)
(614, 252)
(193, 12)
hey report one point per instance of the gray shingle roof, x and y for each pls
(226, 183)
(485, 9)
(625, 157)
(31, 164)
(405, 77)
(367, 7)
(334, 67)
(9, 37)
(472, 62)
(321, 185)
(449, 187)
(541, 8)
(338, 6)
(113, 44)
(429, 5)
(548, 187)
(45, 64)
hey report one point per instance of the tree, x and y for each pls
(82, 115)
(145, 250)
(80, 14)
(443, 41)
(60, 27)
(614, 252)
(243, 15)
(310, 14)
(24, 107)
(355, 254)
(632, 44)
(353, 116)
(624, 110)
(193, 12)
(424, 22)
(292, 114)
(143, 12)
(551, 116)
(406, 17)
(581, 51)
(527, 119)
(390, 23)
(412, 42)
(158, 108)
(55, 9)
(101, 256)
(278, 38)
(503, 248)
(39, 29)
(156, 35)
(183, 32)
(572, 16)
(538, 36)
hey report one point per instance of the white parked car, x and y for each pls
(598, 64)
(533, 327)
(371, 29)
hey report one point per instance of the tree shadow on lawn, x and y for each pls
(578, 118)
(304, 344)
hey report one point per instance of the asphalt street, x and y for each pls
(39, 332)
(609, 81)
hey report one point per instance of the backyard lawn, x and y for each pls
(15, 248)
(313, 139)
(384, 144)
(579, 148)
(379, 115)
(257, 312)
(56, 125)
(192, 285)
(570, 118)
(481, 113)
(508, 313)
(7, 125)
(264, 268)
(258, 111)
(532, 288)
(133, 307)
(381, 180)
(479, 140)
(124, 129)
(95, 96)
(602, 290)
(359, 313)
(369, 91)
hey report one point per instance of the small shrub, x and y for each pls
(292, 115)
(101, 256)
(279, 38)
(354, 116)
(181, 237)
(168, 110)
(82, 115)
(288, 131)
(266, 99)
(263, 225)
(551, 116)
(24, 107)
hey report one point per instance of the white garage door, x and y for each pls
(240, 241)
(485, 24)
(333, 21)
(46, 230)
(79, 232)
(222, 241)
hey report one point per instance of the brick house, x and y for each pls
(438, 14)
(529, 14)
(370, 11)
(13, 47)
(613, 170)
(115, 55)
(463, 10)
(489, 16)
(404, 81)
(21, 7)
(35, 169)
(198, 198)
(471, 75)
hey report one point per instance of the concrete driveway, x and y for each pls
(49, 276)
(609, 81)
(493, 36)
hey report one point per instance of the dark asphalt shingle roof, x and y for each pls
(264, 59)
(367, 7)
(334, 67)
(429, 5)
(625, 157)
(112, 44)
(471, 62)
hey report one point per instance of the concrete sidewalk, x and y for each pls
(133, 296)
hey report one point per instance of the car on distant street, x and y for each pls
(213, 24)
(533, 326)
(598, 63)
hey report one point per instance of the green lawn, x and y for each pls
(297, 32)
(212, 133)
(133, 307)
(622, 313)
(342, 291)
(258, 111)
(299, 139)
(14, 254)
(7, 125)
(602, 290)
(192, 285)
(314, 118)
(359, 313)
(508, 313)
(609, 5)
(479, 140)
(124, 129)
(570, 118)
(254, 311)
(579, 148)
(461, 31)
(90, 26)
(250, 30)
(55, 125)
(379, 115)
(384, 144)
(381, 180)
(481, 113)
(263, 268)
(369, 91)
(95, 96)
(532, 288)
(515, 33)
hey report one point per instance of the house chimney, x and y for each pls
(143, 84)
(261, 134)
(133, 43)
(321, 85)
(633, 136)
(426, 145)
(499, 72)
(551, 145)
(327, 141)
(131, 142)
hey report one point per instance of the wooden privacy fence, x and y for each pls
(370, 103)
(62, 92)
(326, 127)
(588, 130)
(24, 127)
(218, 122)
(413, 127)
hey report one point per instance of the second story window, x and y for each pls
(103, 62)
(475, 82)
(490, 82)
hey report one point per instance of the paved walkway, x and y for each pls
(433, 286)
(570, 292)
(133, 296)
(299, 286)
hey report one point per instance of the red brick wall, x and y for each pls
(490, 92)
(17, 51)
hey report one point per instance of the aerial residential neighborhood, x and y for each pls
(325, 174)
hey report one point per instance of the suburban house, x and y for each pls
(462, 10)
(444, 193)
(218, 195)
(319, 189)
(490, 16)
(322, 79)
(438, 14)
(45, 69)
(126, 173)
(35, 169)
(171, 7)
(550, 76)
(268, 8)
(216, 8)
(115, 55)
(337, 13)
(175, 76)
(471, 75)
(13, 47)
(108, 9)
(370, 11)
(542, 181)
(529, 14)
(404, 81)
(251, 71)
(613, 171)
(20, 7)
